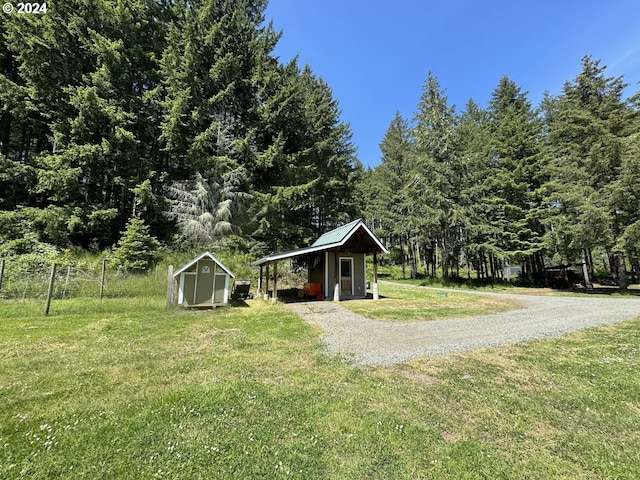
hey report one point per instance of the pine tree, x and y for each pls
(137, 249)
(305, 171)
(388, 206)
(513, 163)
(432, 182)
(587, 132)
(473, 138)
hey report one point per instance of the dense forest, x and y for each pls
(513, 185)
(174, 113)
(175, 118)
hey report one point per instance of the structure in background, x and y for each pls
(241, 290)
(336, 263)
(203, 282)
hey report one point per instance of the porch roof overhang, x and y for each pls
(354, 236)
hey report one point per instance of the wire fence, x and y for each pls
(24, 280)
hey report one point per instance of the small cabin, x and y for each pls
(336, 263)
(203, 282)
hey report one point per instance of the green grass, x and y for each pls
(124, 389)
(406, 304)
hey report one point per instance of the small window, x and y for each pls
(345, 268)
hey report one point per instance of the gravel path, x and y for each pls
(370, 342)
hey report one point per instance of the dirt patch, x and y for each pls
(451, 437)
(419, 377)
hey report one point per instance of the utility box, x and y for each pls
(203, 282)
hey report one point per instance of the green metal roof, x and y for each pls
(332, 239)
(337, 235)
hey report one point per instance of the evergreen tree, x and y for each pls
(473, 137)
(388, 207)
(83, 70)
(137, 249)
(587, 133)
(305, 172)
(432, 183)
(513, 176)
(203, 209)
(105, 107)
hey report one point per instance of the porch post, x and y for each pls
(259, 290)
(275, 282)
(266, 290)
(375, 276)
(336, 287)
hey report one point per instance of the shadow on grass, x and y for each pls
(239, 304)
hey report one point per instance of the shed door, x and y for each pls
(187, 288)
(346, 276)
(218, 294)
(204, 286)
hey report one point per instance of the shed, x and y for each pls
(336, 260)
(203, 282)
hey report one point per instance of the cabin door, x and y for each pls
(346, 277)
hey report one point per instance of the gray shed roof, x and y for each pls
(331, 240)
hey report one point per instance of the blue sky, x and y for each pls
(375, 55)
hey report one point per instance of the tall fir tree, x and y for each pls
(432, 184)
(514, 159)
(391, 204)
(587, 131)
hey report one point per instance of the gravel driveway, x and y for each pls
(370, 342)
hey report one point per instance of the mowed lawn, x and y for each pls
(408, 303)
(124, 389)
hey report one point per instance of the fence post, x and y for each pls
(170, 283)
(1, 271)
(50, 291)
(104, 267)
(66, 281)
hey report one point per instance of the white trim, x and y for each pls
(200, 257)
(373, 237)
(225, 297)
(350, 271)
(195, 286)
(181, 290)
(213, 287)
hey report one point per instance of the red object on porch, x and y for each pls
(313, 290)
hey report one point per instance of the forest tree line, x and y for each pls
(511, 184)
(173, 113)
(176, 117)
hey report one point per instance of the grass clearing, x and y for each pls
(124, 389)
(406, 304)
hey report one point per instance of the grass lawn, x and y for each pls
(124, 389)
(410, 304)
